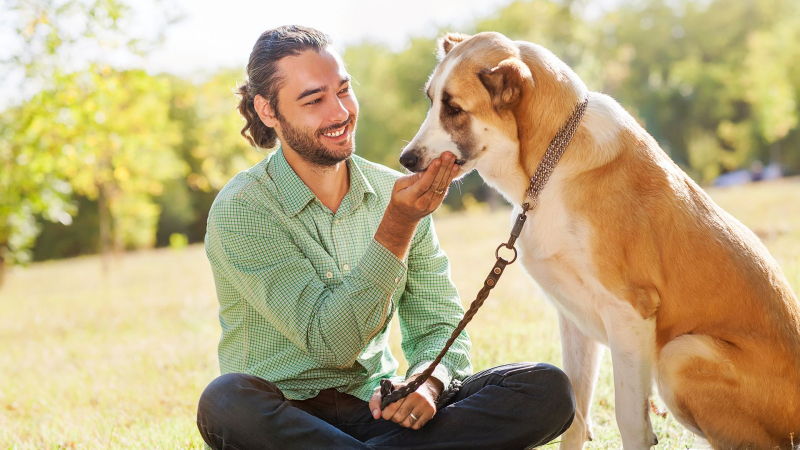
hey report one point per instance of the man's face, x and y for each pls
(316, 110)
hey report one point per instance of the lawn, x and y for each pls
(120, 361)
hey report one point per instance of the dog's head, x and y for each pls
(473, 90)
(482, 84)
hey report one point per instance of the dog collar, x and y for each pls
(554, 151)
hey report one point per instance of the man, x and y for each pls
(313, 251)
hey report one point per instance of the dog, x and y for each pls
(632, 253)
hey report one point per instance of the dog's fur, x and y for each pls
(632, 253)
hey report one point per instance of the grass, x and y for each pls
(120, 363)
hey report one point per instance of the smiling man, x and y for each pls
(313, 251)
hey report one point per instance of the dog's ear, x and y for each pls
(447, 42)
(505, 82)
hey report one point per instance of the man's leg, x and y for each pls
(242, 412)
(506, 407)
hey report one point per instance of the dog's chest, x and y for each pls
(555, 249)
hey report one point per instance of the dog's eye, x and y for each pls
(451, 109)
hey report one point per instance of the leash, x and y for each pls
(545, 168)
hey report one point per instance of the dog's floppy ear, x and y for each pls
(447, 42)
(505, 82)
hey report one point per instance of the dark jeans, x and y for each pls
(513, 406)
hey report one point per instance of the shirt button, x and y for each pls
(396, 280)
(329, 274)
(335, 221)
(346, 267)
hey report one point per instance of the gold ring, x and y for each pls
(413, 417)
(439, 191)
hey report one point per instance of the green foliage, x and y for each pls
(178, 241)
(216, 148)
(29, 185)
(713, 82)
(45, 156)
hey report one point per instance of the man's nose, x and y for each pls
(338, 112)
(409, 160)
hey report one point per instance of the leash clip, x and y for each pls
(510, 247)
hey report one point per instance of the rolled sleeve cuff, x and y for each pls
(382, 266)
(441, 372)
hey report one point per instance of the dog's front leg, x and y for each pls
(632, 342)
(581, 358)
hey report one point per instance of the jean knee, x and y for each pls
(547, 380)
(223, 394)
(563, 397)
(217, 390)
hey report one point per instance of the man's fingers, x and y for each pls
(390, 410)
(424, 413)
(441, 175)
(407, 180)
(401, 415)
(375, 404)
(447, 176)
(421, 187)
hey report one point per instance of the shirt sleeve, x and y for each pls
(258, 256)
(430, 310)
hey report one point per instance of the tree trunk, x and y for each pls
(105, 228)
(2, 269)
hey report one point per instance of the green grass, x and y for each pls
(120, 363)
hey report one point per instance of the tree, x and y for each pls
(56, 40)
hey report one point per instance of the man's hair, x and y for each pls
(263, 77)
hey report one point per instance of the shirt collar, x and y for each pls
(295, 195)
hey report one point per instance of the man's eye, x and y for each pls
(347, 89)
(314, 102)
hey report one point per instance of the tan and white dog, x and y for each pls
(632, 253)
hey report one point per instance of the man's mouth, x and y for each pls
(338, 132)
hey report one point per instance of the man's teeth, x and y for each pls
(336, 133)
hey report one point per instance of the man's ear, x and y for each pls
(447, 42)
(264, 111)
(505, 82)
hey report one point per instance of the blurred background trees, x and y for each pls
(101, 157)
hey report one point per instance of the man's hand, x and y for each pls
(414, 197)
(421, 403)
(417, 195)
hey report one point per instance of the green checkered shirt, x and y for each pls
(306, 296)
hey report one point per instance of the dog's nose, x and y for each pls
(408, 160)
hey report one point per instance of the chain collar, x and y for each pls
(554, 151)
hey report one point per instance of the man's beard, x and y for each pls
(307, 144)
